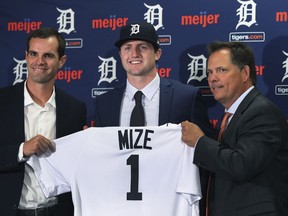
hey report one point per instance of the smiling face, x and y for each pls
(43, 60)
(139, 58)
(227, 81)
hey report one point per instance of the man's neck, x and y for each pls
(40, 93)
(140, 82)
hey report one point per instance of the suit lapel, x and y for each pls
(18, 110)
(241, 108)
(166, 93)
(60, 114)
(115, 116)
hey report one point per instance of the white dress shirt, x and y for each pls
(37, 120)
(150, 102)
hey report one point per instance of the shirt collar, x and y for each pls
(149, 91)
(28, 100)
(235, 105)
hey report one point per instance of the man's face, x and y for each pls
(139, 58)
(43, 60)
(227, 82)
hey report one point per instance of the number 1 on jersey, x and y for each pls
(134, 193)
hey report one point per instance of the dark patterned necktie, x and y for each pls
(220, 134)
(137, 115)
(223, 125)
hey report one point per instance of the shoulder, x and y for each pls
(256, 99)
(176, 84)
(267, 106)
(12, 90)
(178, 87)
(62, 95)
(259, 105)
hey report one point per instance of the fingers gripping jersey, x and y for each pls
(143, 171)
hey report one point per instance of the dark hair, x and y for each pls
(241, 55)
(46, 33)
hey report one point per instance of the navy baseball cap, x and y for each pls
(138, 31)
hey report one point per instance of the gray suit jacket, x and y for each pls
(251, 162)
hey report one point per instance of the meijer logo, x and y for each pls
(27, 25)
(68, 75)
(111, 23)
(203, 19)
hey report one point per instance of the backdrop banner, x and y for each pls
(185, 28)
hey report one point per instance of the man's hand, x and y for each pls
(38, 145)
(190, 133)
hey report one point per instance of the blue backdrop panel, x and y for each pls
(185, 28)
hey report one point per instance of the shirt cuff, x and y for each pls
(21, 156)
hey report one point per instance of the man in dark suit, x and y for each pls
(250, 162)
(33, 113)
(164, 100)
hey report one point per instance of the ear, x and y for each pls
(158, 54)
(246, 73)
(62, 61)
(26, 54)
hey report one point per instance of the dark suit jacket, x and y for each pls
(251, 162)
(178, 102)
(70, 118)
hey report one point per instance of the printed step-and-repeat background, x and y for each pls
(185, 27)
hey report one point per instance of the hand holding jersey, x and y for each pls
(37, 145)
(123, 171)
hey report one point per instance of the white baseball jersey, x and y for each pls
(123, 171)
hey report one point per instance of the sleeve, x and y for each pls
(49, 177)
(55, 171)
(21, 157)
(189, 180)
(251, 144)
(189, 185)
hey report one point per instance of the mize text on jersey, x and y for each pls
(135, 139)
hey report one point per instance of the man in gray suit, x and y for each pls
(250, 162)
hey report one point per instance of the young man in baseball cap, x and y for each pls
(163, 100)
